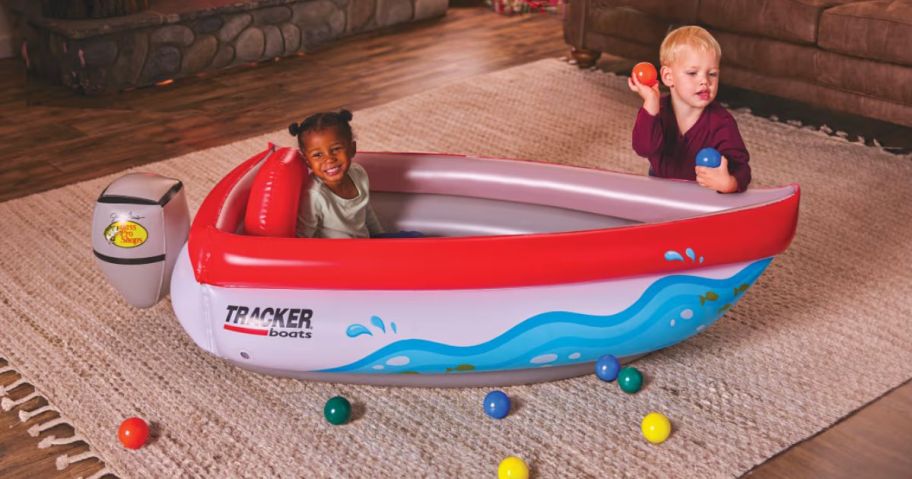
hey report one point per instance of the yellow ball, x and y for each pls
(656, 427)
(513, 468)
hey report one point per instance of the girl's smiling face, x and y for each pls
(328, 153)
(693, 76)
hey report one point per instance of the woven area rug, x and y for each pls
(825, 330)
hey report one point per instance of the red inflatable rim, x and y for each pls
(227, 259)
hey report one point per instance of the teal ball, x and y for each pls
(337, 410)
(630, 380)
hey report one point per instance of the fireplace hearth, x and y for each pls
(172, 38)
(78, 9)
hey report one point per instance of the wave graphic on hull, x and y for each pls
(669, 311)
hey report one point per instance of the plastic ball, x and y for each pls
(630, 380)
(656, 427)
(133, 433)
(709, 157)
(646, 73)
(497, 404)
(512, 468)
(337, 410)
(607, 367)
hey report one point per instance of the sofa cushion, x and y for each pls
(682, 11)
(880, 29)
(629, 24)
(771, 57)
(789, 20)
(868, 77)
(810, 64)
(816, 94)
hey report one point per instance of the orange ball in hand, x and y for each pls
(645, 73)
(133, 433)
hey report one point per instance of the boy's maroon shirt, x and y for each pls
(672, 155)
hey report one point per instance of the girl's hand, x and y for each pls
(717, 179)
(650, 95)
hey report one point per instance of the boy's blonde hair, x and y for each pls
(689, 36)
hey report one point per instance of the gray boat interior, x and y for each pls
(448, 215)
(452, 196)
(464, 196)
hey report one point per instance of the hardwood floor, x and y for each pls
(874, 442)
(49, 138)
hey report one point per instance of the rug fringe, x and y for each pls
(4, 390)
(26, 415)
(55, 441)
(65, 460)
(37, 429)
(8, 404)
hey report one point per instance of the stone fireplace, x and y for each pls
(168, 39)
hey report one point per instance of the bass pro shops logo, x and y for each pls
(271, 322)
(125, 232)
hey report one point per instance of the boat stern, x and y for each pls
(188, 301)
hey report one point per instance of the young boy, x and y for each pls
(670, 130)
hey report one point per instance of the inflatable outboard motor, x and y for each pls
(141, 222)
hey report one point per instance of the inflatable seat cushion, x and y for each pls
(272, 207)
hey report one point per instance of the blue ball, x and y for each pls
(497, 404)
(607, 367)
(709, 157)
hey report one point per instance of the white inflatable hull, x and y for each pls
(451, 338)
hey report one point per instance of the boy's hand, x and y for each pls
(718, 179)
(650, 95)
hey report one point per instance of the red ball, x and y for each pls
(133, 433)
(646, 73)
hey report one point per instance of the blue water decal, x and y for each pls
(376, 321)
(670, 310)
(673, 256)
(356, 330)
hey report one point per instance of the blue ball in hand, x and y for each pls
(709, 157)
(497, 404)
(607, 367)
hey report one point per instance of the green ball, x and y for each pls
(630, 380)
(337, 410)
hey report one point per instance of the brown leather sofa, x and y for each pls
(849, 56)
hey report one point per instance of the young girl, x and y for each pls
(670, 130)
(337, 203)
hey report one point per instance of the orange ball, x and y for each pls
(646, 74)
(133, 433)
